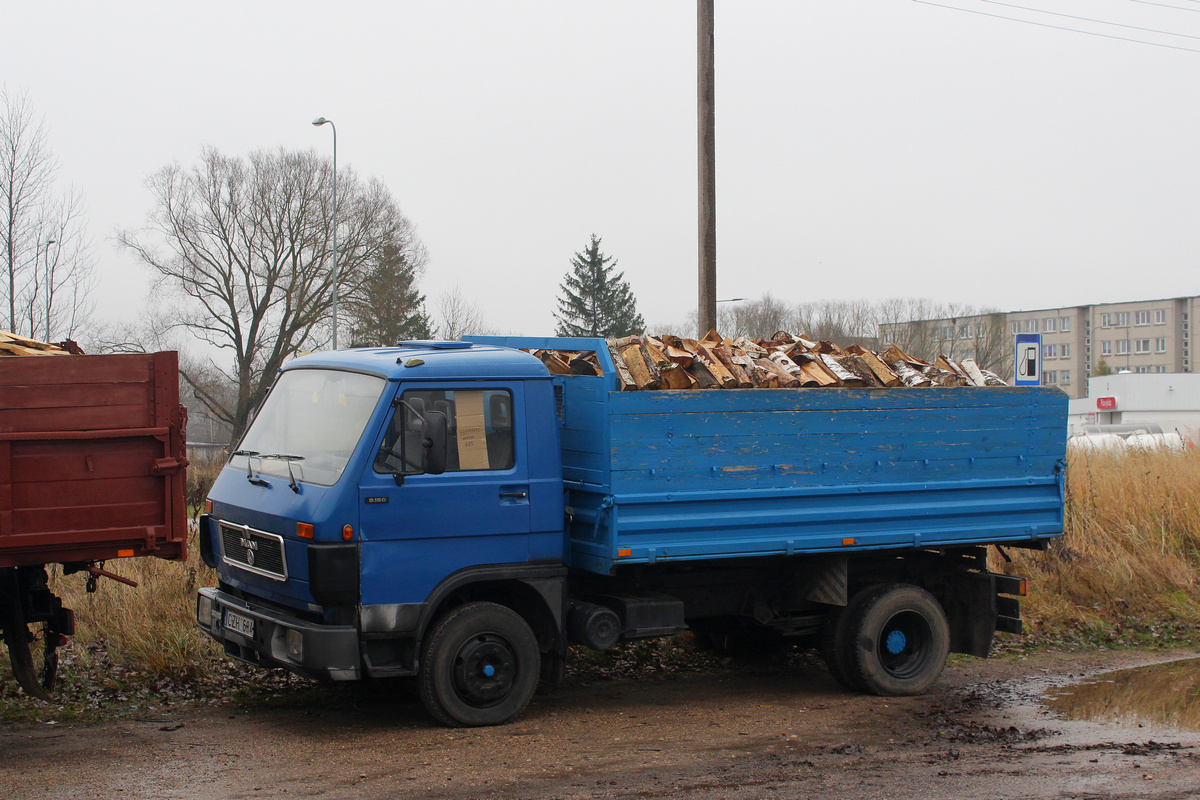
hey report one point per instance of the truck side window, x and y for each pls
(480, 430)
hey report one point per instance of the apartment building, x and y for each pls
(1144, 336)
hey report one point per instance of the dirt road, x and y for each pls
(982, 733)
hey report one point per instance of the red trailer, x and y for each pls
(92, 468)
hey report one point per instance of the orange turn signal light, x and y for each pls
(1024, 592)
(304, 530)
(125, 553)
(208, 506)
(847, 542)
(624, 553)
(347, 532)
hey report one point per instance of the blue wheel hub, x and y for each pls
(895, 642)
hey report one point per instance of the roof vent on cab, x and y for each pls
(426, 344)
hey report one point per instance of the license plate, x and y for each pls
(239, 624)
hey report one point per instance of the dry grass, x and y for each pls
(151, 628)
(1131, 550)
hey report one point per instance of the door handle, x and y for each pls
(515, 495)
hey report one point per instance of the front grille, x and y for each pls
(255, 551)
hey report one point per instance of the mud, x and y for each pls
(985, 731)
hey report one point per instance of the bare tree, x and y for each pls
(46, 256)
(762, 318)
(459, 317)
(242, 247)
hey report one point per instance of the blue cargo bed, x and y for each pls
(654, 476)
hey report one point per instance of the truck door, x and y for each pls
(430, 526)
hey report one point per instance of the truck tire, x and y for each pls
(479, 666)
(835, 643)
(898, 641)
(33, 654)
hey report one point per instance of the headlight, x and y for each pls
(295, 645)
(204, 611)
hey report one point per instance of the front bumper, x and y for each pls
(279, 639)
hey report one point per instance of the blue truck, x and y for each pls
(451, 511)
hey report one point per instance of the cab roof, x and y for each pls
(429, 360)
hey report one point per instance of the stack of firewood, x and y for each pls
(786, 361)
(13, 345)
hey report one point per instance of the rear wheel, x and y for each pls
(33, 654)
(836, 642)
(480, 666)
(897, 641)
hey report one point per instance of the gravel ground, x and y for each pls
(767, 733)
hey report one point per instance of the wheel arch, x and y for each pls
(537, 593)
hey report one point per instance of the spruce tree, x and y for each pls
(387, 307)
(595, 301)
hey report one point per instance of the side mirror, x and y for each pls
(434, 429)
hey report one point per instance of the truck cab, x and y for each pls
(340, 530)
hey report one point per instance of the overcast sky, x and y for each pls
(865, 148)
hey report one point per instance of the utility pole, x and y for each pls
(707, 152)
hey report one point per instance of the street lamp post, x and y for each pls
(49, 288)
(319, 121)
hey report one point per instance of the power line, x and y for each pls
(1059, 27)
(1164, 5)
(1088, 19)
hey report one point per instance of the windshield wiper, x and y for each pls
(295, 487)
(250, 476)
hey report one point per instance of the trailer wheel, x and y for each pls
(480, 666)
(899, 640)
(836, 642)
(33, 656)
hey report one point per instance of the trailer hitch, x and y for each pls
(95, 573)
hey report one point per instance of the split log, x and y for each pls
(777, 374)
(828, 348)
(852, 363)
(894, 354)
(941, 377)
(623, 374)
(845, 377)
(718, 370)
(676, 377)
(949, 364)
(640, 367)
(704, 377)
(815, 371)
(909, 375)
(725, 356)
(758, 376)
(585, 365)
(555, 362)
(752, 349)
(883, 373)
(973, 372)
(993, 379)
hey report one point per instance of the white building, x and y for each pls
(1127, 402)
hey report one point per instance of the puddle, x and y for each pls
(1161, 694)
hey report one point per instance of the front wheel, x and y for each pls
(898, 642)
(480, 666)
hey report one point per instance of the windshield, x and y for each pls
(310, 424)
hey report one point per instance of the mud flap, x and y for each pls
(970, 607)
